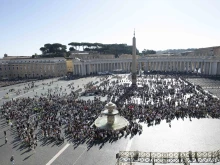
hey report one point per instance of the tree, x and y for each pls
(53, 50)
(48, 48)
(75, 44)
(145, 52)
(35, 55)
(83, 44)
(71, 49)
(43, 50)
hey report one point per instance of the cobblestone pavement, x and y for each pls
(195, 135)
(211, 85)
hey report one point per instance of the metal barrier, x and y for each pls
(126, 157)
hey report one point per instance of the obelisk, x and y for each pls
(134, 63)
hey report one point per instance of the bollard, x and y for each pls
(213, 157)
(179, 157)
(218, 155)
(136, 155)
(196, 157)
(117, 155)
(190, 156)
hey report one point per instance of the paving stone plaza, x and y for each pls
(156, 132)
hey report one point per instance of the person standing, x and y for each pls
(5, 133)
(12, 160)
(6, 140)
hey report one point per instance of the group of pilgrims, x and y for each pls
(8, 83)
(163, 97)
(53, 116)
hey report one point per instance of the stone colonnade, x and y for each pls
(207, 66)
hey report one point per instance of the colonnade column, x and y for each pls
(190, 67)
(160, 66)
(166, 66)
(146, 66)
(182, 66)
(175, 69)
(218, 68)
(74, 71)
(89, 69)
(178, 66)
(210, 68)
(206, 68)
(163, 66)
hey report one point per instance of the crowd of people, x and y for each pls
(164, 97)
(8, 83)
(155, 98)
(160, 97)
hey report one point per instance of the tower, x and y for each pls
(134, 63)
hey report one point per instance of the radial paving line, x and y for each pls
(26, 93)
(58, 154)
(32, 91)
(79, 156)
(129, 145)
(10, 94)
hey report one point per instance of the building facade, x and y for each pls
(69, 65)
(32, 68)
(210, 51)
(204, 61)
(207, 65)
(91, 55)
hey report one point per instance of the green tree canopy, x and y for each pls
(146, 51)
(71, 49)
(56, 49)
(115, 49)
(53, 48)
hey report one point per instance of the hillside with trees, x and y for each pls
(115, 49)
(147, 51)
(59, 50)
(53, 50)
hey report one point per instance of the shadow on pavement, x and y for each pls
(28, 157)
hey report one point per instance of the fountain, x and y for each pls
(110, 120)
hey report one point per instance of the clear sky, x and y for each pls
(26, 25)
